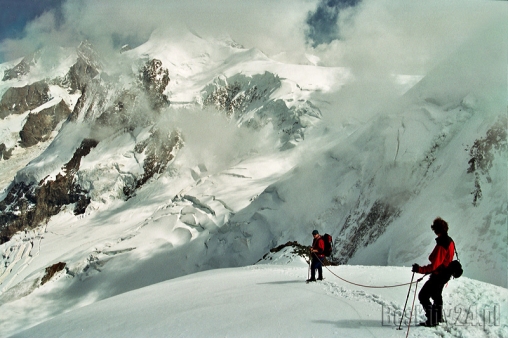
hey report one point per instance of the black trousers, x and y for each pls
(433, 289)
(316, 264)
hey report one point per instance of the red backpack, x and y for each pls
(328, 244)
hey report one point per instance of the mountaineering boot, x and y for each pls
(430, 313)
(312, 275)
(320, 273)
(438, 312)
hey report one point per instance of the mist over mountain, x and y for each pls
(164, 144)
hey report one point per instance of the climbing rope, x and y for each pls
(386, 286)
(367, 286)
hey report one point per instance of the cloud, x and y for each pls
(16, 15)
(375, 35)
(386, 38)
(407, 36)
(272, 26)
(213, 139)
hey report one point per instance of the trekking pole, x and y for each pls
(310, 258)
(411, 314)
(408, 292)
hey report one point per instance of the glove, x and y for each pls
(416, 268)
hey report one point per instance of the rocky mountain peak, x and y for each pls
(22, 68)
(86, 68)
(87, 53)
(237, 94)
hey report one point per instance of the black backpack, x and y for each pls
(455, 269)
(328, 244)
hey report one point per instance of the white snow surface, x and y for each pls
(271, 299)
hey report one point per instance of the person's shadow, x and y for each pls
(283, 282)
(351, 323)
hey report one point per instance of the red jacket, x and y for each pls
(319, 245)
(441, 256)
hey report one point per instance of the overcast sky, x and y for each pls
(382, 35)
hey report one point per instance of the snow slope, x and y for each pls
(271, 299)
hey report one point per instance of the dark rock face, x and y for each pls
(39, 126)
(123, 113)
(17, 100)
(28, 205)
(482, 155)
(17, 71)
(160, 149)
(14, 210)
(86, 68)
(90, 103)
(4, 152)
(362, 229)
(154, 79)
(125, 109)
(237, 94)
(241, 94)
(51, 271)
(79, 75)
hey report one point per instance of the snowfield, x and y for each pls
(271, 299)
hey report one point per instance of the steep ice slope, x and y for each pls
(379, 204)
(460, 119)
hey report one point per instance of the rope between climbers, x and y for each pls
(367, 286)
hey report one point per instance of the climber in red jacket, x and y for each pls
(440, 258)
(317, 256)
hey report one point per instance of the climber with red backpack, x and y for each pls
(317, 256)
(321, 247)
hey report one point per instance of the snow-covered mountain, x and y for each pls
(189, 154)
